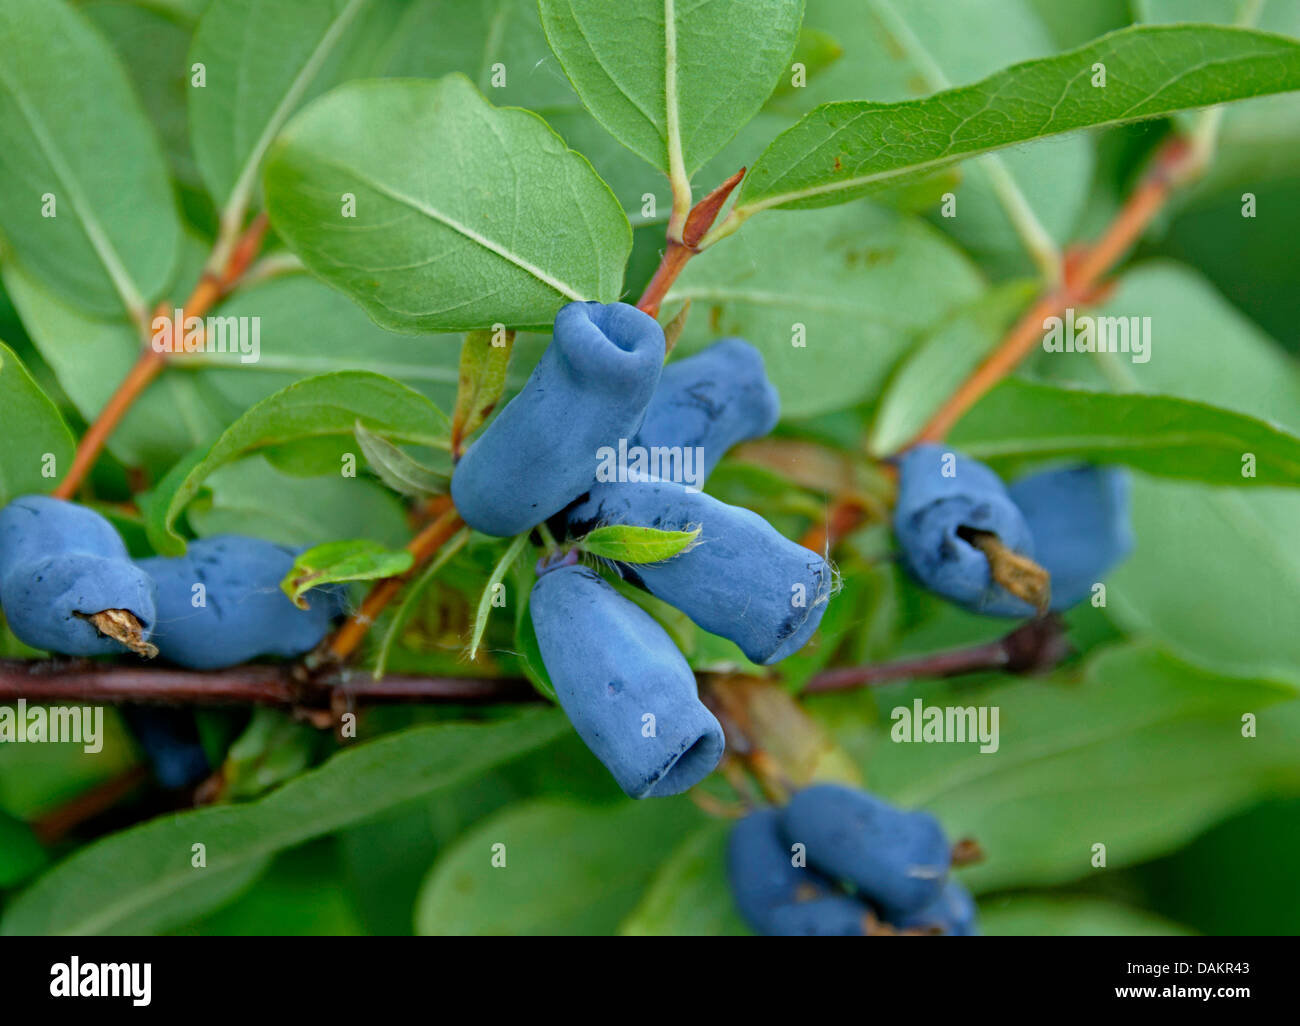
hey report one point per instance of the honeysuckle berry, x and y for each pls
(741, 579)
(711, 401)
(62, 564)
(762, 872)
(220, 604)
(170, 741)
(626, 688)
(947, 505)
(589, 390)
(952, 913)
(1079, 517)
(894, 859)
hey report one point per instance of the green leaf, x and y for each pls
(569, 869)
(90, 355)
(853, 286)
(630, 544)
(1148, 750)
(329, 404)
(841, 151)
(1258, 141)
(152, 44)
(411, 598)
(1161, 435)
(262, 59)
(1032, 916)
(484, 356)
(333, 562)
(71, 128)
(37, 446)
(485, 603)
(901, 50)
(690, 895)
(272, 749)
(816, 51)
(395, 468)
(309, 328)
(253, 497)
(141, 879)
(507, 232)
(21, 854)
(670, 79)
(941, 362)
(1216, 573)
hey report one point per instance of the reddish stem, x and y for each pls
(698, 222)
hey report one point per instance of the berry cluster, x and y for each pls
(966, 536)
(67, 585)
(627, 689)
(836, 862)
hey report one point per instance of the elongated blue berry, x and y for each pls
(220, 604)
(1080, 522)
(762, 872)
(836, 916)
(61, 563)
(952, 913)
(942, 498)
(627, 689)
(170, 740)
(711, 401)
(895, 859)
(589, 389)
(741, 579)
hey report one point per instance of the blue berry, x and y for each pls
(240, 612)
(742, 579)
(170, 739)
(763, 878)
(589, 389)
(1080, 522)
(935, 512)
(626, 688)
(60, 563)
(952, 913)
(895, 859)
(838, 916)
(711, 401)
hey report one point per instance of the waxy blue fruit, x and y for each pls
(626, 688)
(589, 389)
(941, 496)
(896, 860)
(837, 916)
(220, 604)
(762, 874)
(952, 913)
(741, 579)
(60, 563)
(711, 401)
(170, 740)
(1080, 522)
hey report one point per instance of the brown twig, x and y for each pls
(209, 290)
(675, 256)
(1033, 647)
(1174, 163)
(63, 819)
(71, 681)
(422, 547)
